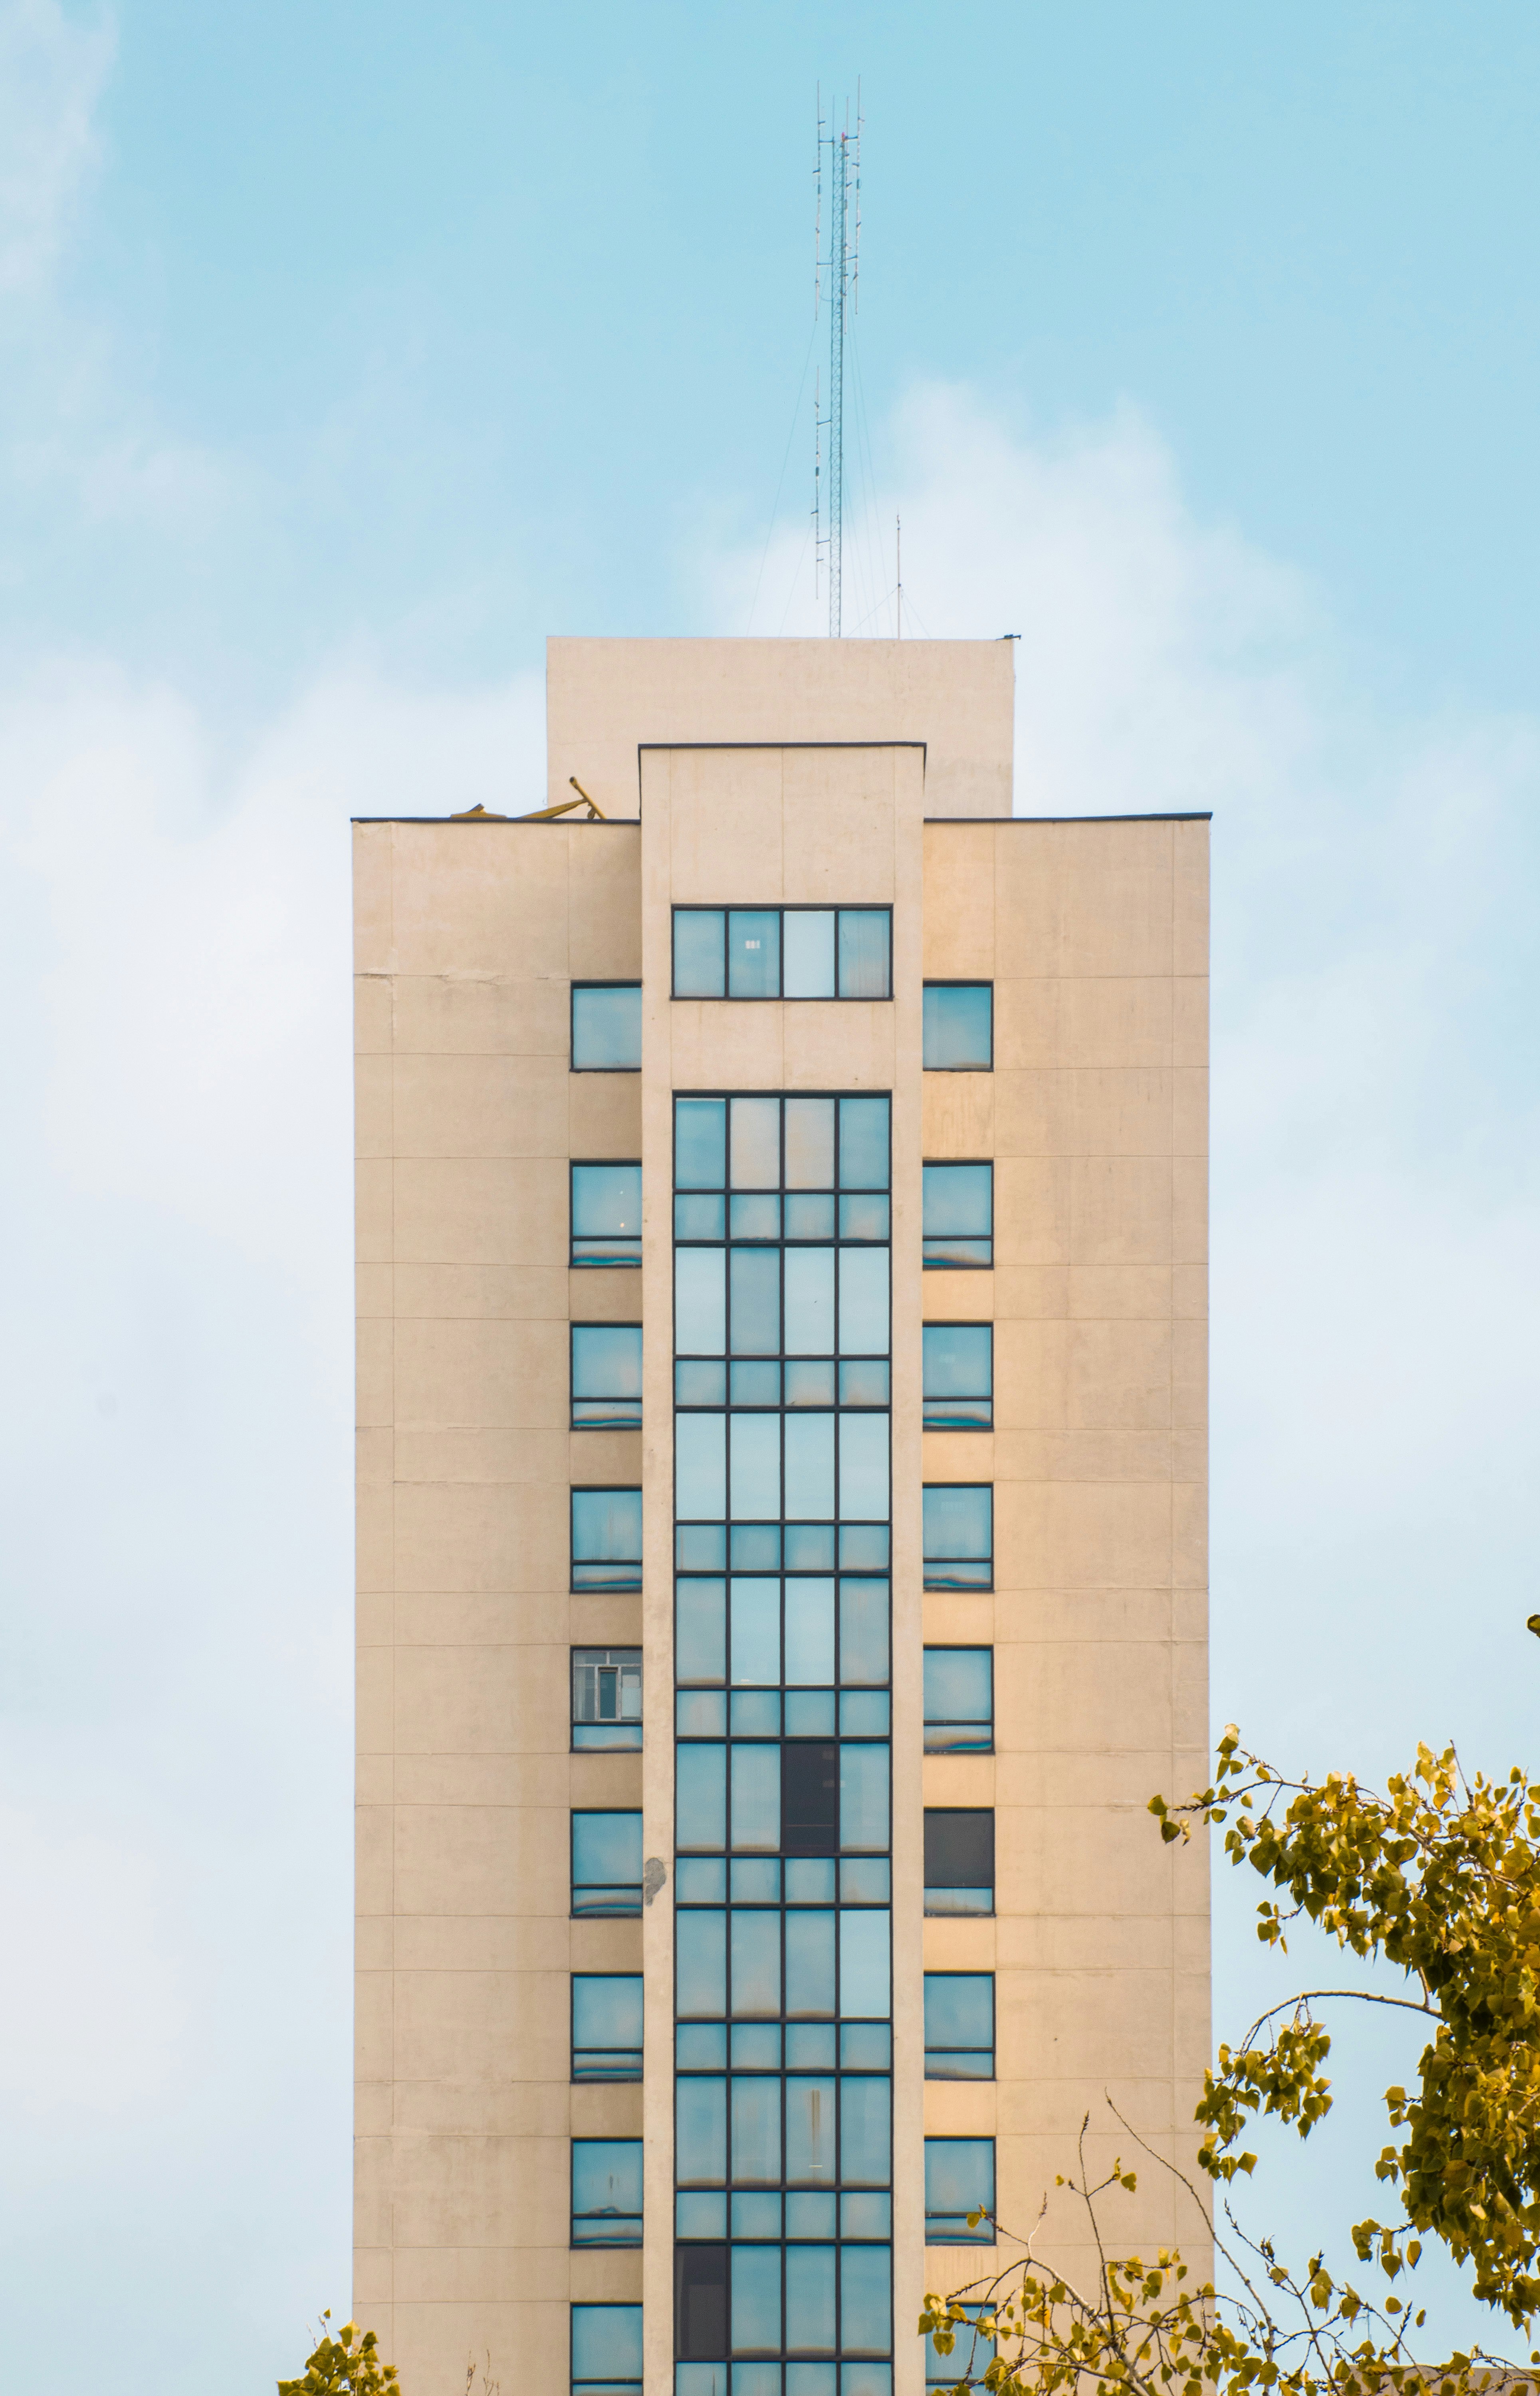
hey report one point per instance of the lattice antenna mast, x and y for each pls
(844, 225)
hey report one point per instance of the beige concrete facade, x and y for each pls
(765, 773)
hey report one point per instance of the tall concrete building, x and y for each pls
(781, 1525)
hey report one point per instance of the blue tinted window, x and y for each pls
(701, 1143)
(807, 949)
(607, 2025)
(864, 1144)
(607, 1376)
(960, 2025)
(606, 1215)
(753, 952)
(959, 1535)
(969, 2359)
(959, 2181)
(698, 955)
(864, 943)
(606, 2191)
(959, 1027)
(959, 1216)
(606, 1027)
(606, 2350)
(606, 1863)
(606, 1538)
(607, 1698)
(959, 1376)
(959, 1700)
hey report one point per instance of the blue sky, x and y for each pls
(343, 354)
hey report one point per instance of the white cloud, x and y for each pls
(52, 71)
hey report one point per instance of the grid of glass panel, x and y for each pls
(782, 952)
(783, 1980)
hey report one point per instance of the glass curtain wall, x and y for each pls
(783, 2260)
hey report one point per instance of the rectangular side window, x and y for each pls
(971, 2355)
(606, 2024)
(958, 1222)
(759, 953)
(606, 1215)
(700, 2303)
(960, 2033)
(960, 2181)
(606, 1864)
(810, 1798)
(606, 2191)
(606, 2350)
(959, 1027)
(606, 1538)
(959, 1700)
(699, 953)
(960, 1859)
(607, 1376)
(959, 1535)
(607, 1698)
(606, 1027)
(959, 1376)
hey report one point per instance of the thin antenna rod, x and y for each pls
(898, 566)
(842, 262)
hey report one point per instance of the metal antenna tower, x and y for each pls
(843, 265)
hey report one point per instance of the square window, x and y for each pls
(606, 2191)
(606, 2350)
(607, 1376)
(960, 2179)
(959, 1376)
(959, 1027)
(606, 1864)
(970, 2357)
(960, 1859)
(606, 1215)
(699, 953)
(958, 1220)
(607, 1698)
(866, 941)
(606, 1027)
(959, 1700)
(607, 2025)
(606, 1538)
(959, 1535)
(959, 2026)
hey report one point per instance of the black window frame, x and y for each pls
(600, 1914)
(985, 2233)
(942, 1164)
(616, 1746)
(955, 1586)
(777, 997)
(983, 1399)
(583, 1164)
(613, 1587)
(959, 981)
(575, 1331)
(971, 1913)
(598, 2079)
(942, 1721)
(611, 2380)
(990, 2050)
(628, 981)
(600, 2245)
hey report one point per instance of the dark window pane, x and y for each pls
(607, 2025)
(606, 1215)
(701, 1143)
(606, 1538)
(606, 1027)
(959, 1029)
(959, 1700)
(960, 2025)
(810, 1799)
(697, 952)
(959, 1847)
(864, 1144)
(753, 952)
(606, 2191)
(700, 2303)
(959, 1376)
(863, 952)
(607, 1376)
(607, 2348)
(959, 2181)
